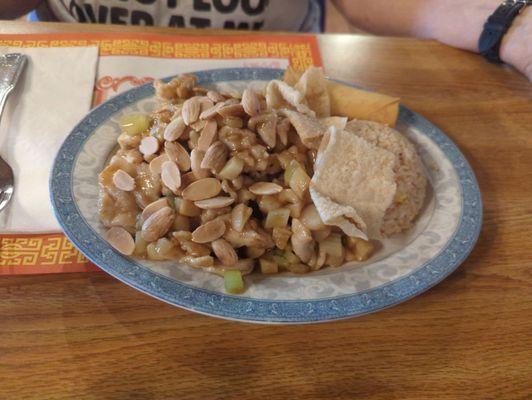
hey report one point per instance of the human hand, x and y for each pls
(463, 29)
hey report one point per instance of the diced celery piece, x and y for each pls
(268, 266)
(233, 282)
(133, 124)
(278, 256)
(277, 218)
(280, 260)
(291, 257)
(232, 168)
(299, 268)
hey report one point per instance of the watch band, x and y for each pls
(496, 26)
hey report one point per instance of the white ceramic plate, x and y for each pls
(445, 232)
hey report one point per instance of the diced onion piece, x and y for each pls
(134, 124)
(361, 249)
(311, 218)
(181, 223)
(298, 179)
(186, 207)
(277, 218)
(255, 252)
(232, 169)
(140, 245)
(332, 245)
(233, 282)
(289, 171)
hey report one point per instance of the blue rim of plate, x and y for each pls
(241, 308)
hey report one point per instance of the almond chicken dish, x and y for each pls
(303, 174)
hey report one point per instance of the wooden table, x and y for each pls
(87, 336)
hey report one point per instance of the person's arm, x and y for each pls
(457, 23)
(11, 9)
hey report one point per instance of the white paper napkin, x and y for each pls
(53, 94)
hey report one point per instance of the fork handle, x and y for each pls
(4, 92)
(11, 66)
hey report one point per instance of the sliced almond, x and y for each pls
(191, 110)
(232, 96)
(171, 176)
(214, 202)
(202, 189)
(265, 188)
(215, 96)
(121, 240)
(198, 125)
(250, 102)
(153, 207)
(157, 224)
(215, 157)
(205, 103)
(123, 181)
(225, 252)
(208, 135)
(174, 129)
(231, 110)
(157, 163)
(149, 145)
(177, 153)
(200, 90)
(196, 157)
(209, 231)
(211, 112)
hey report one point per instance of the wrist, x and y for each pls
(516, 46)
(458, 23)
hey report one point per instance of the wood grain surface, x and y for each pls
(87, 336)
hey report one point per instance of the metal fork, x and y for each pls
(11, 66)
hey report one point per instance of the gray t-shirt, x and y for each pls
(275, 15)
